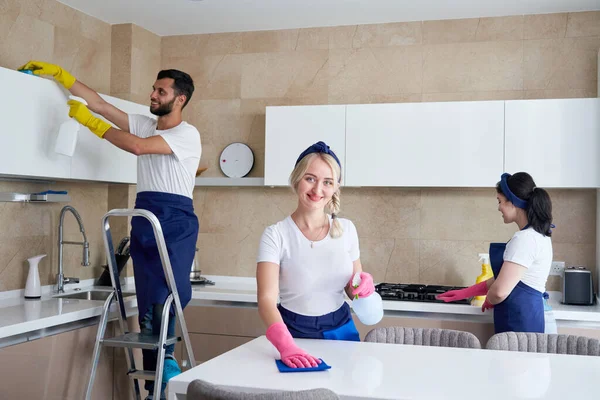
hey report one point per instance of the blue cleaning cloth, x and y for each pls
(27, 71)
(52, 192)
(284, 368)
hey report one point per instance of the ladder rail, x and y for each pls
(114, 274)
(161, 350)
(116, 284)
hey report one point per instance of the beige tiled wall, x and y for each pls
(29, 229)
(50, 31)
(408, 235)
(135, 62)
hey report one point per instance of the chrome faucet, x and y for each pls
(61, 280)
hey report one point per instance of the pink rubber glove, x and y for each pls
(291, 355)
(454, 295)
(486, 305)
(366, 287)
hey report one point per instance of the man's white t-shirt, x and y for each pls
(311, 280)
(533, 251)
(168, 173)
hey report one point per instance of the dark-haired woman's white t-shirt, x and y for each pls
(533, 251)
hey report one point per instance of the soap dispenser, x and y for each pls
(33, 287)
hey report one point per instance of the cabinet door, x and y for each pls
(99, 160)
(425, 144)
(57, 367)
(556, 141)
(290, 130)
(33, 108)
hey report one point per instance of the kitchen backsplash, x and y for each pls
(430, 236)
(408, 235)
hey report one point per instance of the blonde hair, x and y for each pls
(333, 207)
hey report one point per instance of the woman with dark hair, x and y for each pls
(522, 265)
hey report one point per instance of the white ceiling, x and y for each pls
(179, 17)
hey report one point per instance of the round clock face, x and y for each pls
(236, 160)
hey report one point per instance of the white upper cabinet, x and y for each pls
(96, 159)
(458, 144)
(557, 141)
(290, 130)
(33, 109)
(32, 115)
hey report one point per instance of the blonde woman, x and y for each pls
(308, 260)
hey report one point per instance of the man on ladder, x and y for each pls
(168, 151)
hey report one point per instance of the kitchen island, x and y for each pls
(362, 370)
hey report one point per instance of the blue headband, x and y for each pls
(517, 202)
(319, 147)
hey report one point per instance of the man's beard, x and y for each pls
(163, 109)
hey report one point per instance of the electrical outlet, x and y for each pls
(557, 268)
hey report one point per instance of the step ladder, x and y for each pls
(130, 340)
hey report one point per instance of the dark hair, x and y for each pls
(539, 205)
(183, 83)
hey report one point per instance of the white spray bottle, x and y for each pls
(33, 287)
(369, 310)
(66, 140)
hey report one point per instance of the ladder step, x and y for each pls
(140, 374)
(138, 341)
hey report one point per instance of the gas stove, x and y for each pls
(416, 292)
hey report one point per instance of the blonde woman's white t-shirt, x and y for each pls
(311, 280)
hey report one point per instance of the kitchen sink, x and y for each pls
(91, 295)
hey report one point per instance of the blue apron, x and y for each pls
(523, 309)
(180, 229)
(337, 325)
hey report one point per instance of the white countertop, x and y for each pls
(361, 370)
(20, 316)
(243, 289)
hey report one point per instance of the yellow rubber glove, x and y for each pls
(43, 68)
(83, 115)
